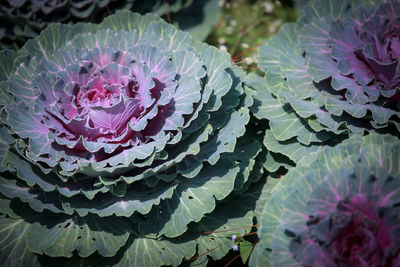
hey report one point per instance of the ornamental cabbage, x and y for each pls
(117, 141)
(333, 73)
(338, 207)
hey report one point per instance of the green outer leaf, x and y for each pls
(53, 38)
(61, 235)
(23, 122)
(325, 8)
(188, 19)
(228, 125)
(245, 153)
(257, 172)
(128, 21)
(38, 200)
(153, 252)
(135, 199)
(33, 176)
(259, 257)
(372, 3)
(102, 38)
(6, 209)
(188, 146)
(13, 248)
(245, 249)
(5, 140)
(225, 139)
(232, 217)
(25, 171)
(292, 149)
(219, 81)
(166, 33)
(81, 11)
(265, 196)
(376, 158)
(191, 200)
(281, 57)
(273, 161)
(269, 54)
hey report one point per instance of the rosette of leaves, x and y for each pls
(339, 207)
(114, 138)
(333, 72)
(22, 20)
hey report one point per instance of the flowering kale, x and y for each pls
(114, 138)
(339, 207)
(334, 72)
(331, 75)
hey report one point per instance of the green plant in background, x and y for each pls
(22, 20)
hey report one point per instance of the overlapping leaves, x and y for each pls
(75, 182)
(356, 169)
(23, 20)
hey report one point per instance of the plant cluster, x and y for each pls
(129, 142)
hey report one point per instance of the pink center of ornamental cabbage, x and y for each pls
(104, 98)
